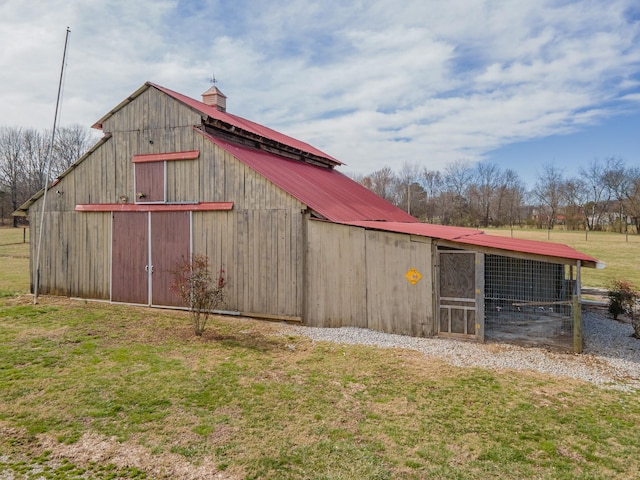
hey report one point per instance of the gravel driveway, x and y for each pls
(611, 357)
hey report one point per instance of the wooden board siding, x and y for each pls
(149, 111)
(393, 304)
(336, 276)
(75, 254)
(259, 251)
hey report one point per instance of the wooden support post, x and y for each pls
(577, 314)
(577, 325)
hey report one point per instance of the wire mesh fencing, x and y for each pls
(529, 302)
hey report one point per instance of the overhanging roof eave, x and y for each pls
(518, 254)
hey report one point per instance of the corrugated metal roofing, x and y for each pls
(326, 191)
(421, 229)
(549, 249)
(246, 125)
(469, 236)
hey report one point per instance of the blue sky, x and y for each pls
(373, 83)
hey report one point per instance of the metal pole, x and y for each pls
(46, 177)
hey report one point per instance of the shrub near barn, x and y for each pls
(623, 300)
(193, 283)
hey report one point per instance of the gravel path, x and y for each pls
(611, 356)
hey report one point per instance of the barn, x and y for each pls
(299, 241)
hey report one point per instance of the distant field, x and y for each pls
(619, 252)
(14, 261)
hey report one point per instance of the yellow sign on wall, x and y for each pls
(413, 276)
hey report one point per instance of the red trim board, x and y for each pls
(160, 157)
(154, 207)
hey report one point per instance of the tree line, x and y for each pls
(605, 195)
(24, 153)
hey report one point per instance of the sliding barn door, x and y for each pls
(130, 257)
(146, 249)
(460, 294)
(170, 241)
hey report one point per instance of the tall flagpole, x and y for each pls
(48, 172)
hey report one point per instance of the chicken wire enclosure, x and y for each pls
(529, 302)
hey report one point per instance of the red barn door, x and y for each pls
(170, 241)
(146, 248)
(130, 257)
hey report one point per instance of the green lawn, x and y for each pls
(14, 261)
(92, 390)
(256, 404)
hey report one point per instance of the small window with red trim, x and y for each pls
(150, 171)
(149, 180)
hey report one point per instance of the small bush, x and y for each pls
(623, 300)
(192, 281)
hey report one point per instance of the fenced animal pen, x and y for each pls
(529, 302)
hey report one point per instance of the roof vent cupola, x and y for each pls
(215, 98)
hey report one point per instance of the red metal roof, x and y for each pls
(328, 192)
(421, 229)
(470, 236)
(245, 124)
(535, 247)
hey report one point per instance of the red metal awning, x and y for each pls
(469, 236)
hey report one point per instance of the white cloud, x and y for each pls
(372, 83)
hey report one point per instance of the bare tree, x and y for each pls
(458, 176)
(382, 182)
(510, 199)
(454, 201)
(632, 196)
(576, 198)
(408, 190)
(12, 165)
(70, 144)
(616, 181)
(598, 195)
(548, 192)
(484, 188)
(432, 184)
(36, 151)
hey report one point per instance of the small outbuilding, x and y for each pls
(298, 240)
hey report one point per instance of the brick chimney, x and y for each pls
(215, 98)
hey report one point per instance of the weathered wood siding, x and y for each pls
(336, 276)
(75, 254)
(393, 304)
(356, 277)
(261, 253)
(151, 110)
